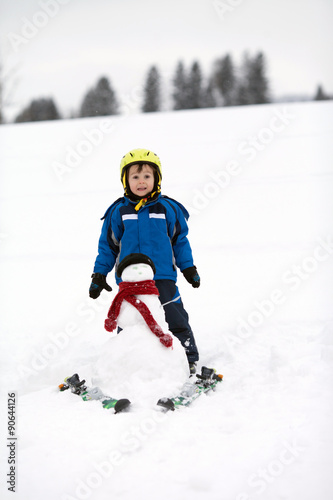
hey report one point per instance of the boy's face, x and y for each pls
(141, 183)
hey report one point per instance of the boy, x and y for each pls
(145, 221)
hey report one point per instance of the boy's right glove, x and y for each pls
(192, 276)
(97, 285)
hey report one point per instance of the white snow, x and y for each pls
(258, 183)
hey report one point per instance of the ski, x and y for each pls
(79, 388)
(190, 391)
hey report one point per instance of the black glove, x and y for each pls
(192, 276)
(97, 285)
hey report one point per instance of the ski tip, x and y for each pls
(121, 405)
(166, 403)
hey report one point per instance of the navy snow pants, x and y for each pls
(177, 317)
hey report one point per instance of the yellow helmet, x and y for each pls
(140, 156)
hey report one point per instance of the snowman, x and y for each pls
(144, 361)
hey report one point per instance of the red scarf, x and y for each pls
(128, 291)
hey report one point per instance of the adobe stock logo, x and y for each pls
(265, 476)
(291, 281)
(225, 7)
(131, 441)
(74, 155)
(280, 119)
(31, 27)
(248, 149)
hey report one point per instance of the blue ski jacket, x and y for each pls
(158, 230)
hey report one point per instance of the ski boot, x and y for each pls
(193, 368)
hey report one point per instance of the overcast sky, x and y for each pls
(59, 48)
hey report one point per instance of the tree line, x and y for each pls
(227, 85)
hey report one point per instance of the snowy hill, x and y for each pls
(258, 182)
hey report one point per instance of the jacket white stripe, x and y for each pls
(157, 216)
(129, 216)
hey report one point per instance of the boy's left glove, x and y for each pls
(97, 285)
(192, 276)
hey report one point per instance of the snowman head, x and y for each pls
(137, 272)
(136, 267)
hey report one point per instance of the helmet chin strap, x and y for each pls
(143, 201)
(124, 182)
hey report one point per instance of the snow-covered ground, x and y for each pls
(258, 183)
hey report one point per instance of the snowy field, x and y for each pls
(258, 182)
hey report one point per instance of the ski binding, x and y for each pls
(206, 381)
(79, 388)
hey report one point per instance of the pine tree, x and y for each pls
(88, 107)
(106, 102)
(208, 95)
(225, 79)
(242, 94)
(100, 100)
(180, 92)
(39, 110)
(195, 91)
(8, 83)
(152, 91)
(320, 94)
(253, 87)
(257, 80)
